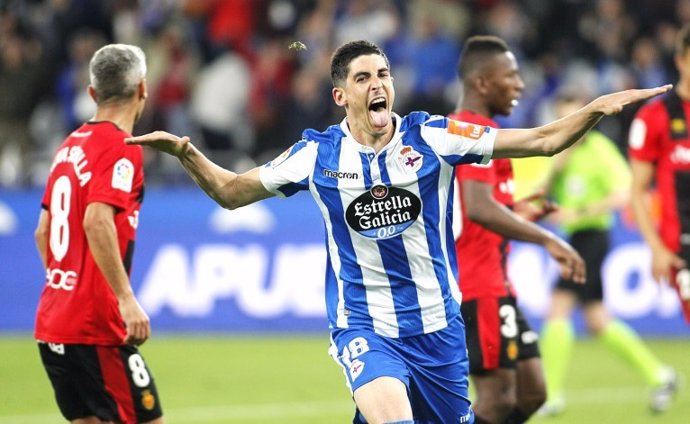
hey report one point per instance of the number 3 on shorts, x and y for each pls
(509, 328)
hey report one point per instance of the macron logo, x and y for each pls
(341, 175)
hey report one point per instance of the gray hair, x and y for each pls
(116, 70)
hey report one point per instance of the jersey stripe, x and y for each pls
(387, 218)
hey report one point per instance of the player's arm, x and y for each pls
(663, 259)
(535, 206)
(482, 208)
(228, 189)
(101, 234)
(556, 136)
(41, 235)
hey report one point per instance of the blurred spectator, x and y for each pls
(365, 19)
(433, 57)
(310, 107)
(197, 47)
(269, 95)
(225, 24)
(75, 103)
(173, 64)
(21, 85)
(219, 106)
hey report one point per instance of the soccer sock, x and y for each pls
(624, 341)
(556, 344)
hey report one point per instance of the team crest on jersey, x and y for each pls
(123, 175)
(512, 350)
(410, 159)
(356, 368)
(466, 130)
(383, 212)
(678, 126)
(148, 401)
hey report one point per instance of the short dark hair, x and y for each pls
(683, 40)
(340, 61)
(477, 50)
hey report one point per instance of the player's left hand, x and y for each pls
(572, 266)
(535, 206)
(163, 141)
(612, 104)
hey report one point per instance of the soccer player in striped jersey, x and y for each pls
(384, 185)
(505, 362)
(88, 322)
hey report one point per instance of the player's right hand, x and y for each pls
(136, 321)
(664, 262)
(535, 206)
(163, 141)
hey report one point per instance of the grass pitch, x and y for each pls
(221, 379)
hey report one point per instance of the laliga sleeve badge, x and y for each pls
(410, 159)
(123, 175)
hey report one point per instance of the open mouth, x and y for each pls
(378, 112)
(378, 105)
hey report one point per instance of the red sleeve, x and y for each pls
(115, 172)
(477, 172)
(647, 132)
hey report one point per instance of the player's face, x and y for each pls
(368, 95)
(683, 65)
(504, 84)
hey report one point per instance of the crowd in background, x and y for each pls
(223, 72)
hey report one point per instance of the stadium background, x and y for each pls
(248, 281)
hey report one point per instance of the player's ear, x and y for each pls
(480, 84)
(339, 96)
(141, 89)
(92, 93)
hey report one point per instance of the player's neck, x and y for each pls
(375, 141)
(121, 115)
(683, 89)
(475, 106)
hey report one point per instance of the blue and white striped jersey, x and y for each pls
(391, 256)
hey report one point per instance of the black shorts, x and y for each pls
(498, 335)
(593, 246)
(112, 383)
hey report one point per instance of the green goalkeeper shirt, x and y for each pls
(594, 170)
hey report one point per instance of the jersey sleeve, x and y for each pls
(289, 173)
(459, 142)
(484, 173)
(115, 172)
(646, 135)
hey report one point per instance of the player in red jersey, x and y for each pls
(659, 152)
(89, 323)
(505, 363)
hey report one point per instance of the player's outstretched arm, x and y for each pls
(556, 136)
(228, 189)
